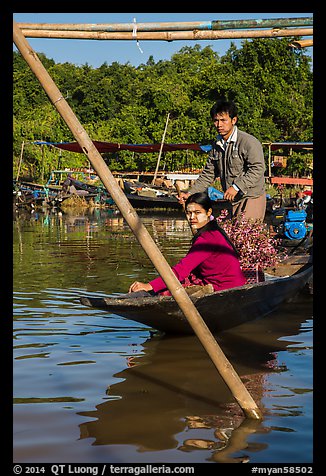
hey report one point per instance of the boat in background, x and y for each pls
(142, 195)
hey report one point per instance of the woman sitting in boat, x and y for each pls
(212, 258)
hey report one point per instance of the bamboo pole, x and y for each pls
(42, 169)
(20, 160)
(216, 354)
(193, 230)
(161, 148)
(173, 26)
(301, 43)
(269, 160)
(167, 35)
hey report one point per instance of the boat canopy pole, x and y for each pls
(173, 26)
(161, 148)
(167, 35)
(227, 372)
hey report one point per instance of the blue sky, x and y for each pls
(96, 52)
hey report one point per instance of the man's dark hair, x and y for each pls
(222, 105)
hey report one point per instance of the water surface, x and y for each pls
(94, 387)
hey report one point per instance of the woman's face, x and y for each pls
(197, 215)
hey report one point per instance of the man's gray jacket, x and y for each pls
(241, 164)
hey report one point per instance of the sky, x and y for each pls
(96, 52)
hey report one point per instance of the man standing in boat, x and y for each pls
(237, 158)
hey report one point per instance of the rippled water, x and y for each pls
(94, 387)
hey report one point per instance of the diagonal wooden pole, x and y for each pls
(217, 356)
(161, 148)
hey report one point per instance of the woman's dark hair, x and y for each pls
(202, 198)
(222, 105)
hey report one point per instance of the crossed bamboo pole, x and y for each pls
(163, 35)
(174, 26)
(301, 44)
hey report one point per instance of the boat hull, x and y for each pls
(220, 310)
(138, 201)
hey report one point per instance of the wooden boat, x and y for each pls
(220, 310)
(139, 195)
(146, 198)
(31, 195)
(143, 196)
(141, 201)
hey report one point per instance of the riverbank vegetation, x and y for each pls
(271, 83)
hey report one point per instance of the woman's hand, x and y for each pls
(137, 286)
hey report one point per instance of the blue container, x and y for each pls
(215, 194)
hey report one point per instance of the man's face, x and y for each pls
(224, 124)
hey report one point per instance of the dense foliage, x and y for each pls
(270, 82)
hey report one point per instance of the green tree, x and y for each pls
(271, 84)
(271, 81)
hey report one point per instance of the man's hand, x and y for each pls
(182, 197)
(230, 193)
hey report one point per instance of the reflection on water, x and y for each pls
(172, 387)
(95, 387)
